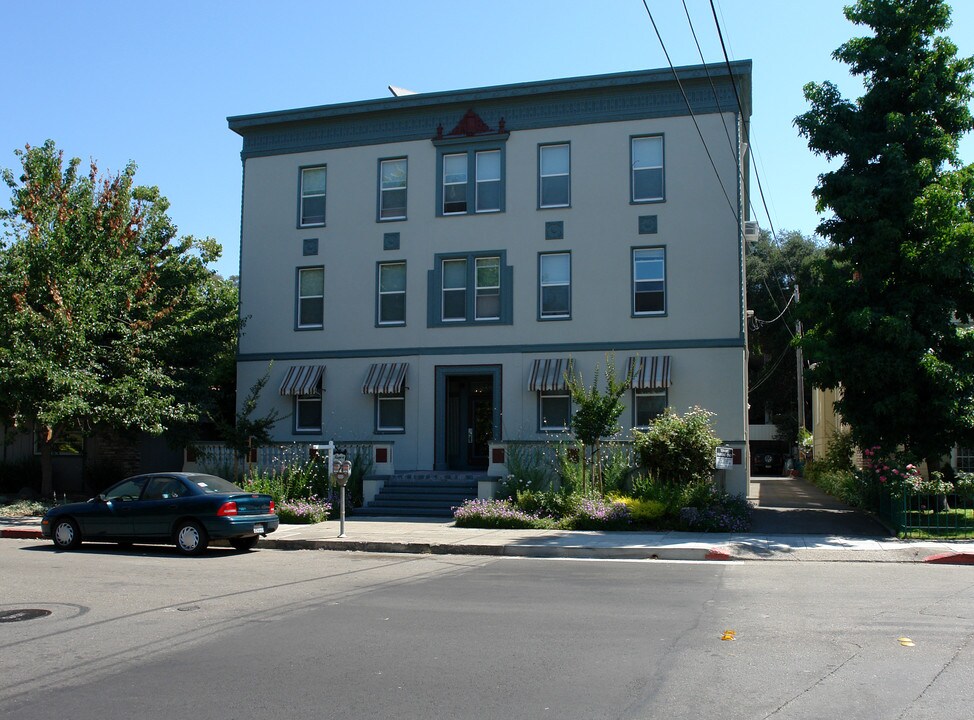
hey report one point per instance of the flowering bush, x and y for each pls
(901, 478)
(643, 511)
(598, 514)
(497, 514)
(303, 512)
(964, 484)
(722, 513)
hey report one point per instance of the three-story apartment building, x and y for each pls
(422, 270)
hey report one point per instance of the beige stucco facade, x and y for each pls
(696, 225)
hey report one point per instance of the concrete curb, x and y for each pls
(21, 533)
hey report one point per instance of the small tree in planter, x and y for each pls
(597, 415)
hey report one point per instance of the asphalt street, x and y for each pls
(147, 634)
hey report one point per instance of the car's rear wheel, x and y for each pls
(191, 538)
(65, 534)
(243, 544)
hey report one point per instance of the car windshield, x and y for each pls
(214, 484)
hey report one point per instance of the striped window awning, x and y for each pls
(548, 375)
(303, 380)
(650, 373)
(385, 379)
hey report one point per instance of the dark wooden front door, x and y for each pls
(469, 421)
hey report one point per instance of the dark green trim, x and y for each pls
(470, 147)
(551, 348)
(523, 106)
(559, 318)
(378, 189)
(297, 299)
(378, 279)
(542, 146)
(442, 374)
(632, 283)
(434, 291)
(632, 170)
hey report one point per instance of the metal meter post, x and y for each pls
(341, 469)
(723, 461)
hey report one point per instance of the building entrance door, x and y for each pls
(469, 421)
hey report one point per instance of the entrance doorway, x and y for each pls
(467, 415)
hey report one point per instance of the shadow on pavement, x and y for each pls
(791, 506)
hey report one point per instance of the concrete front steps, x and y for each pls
(422, 494)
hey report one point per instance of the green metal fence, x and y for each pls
(942, 516)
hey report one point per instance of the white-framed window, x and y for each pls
(454, 305)
(648, 281)
(390, 413)
(554, 176)
(393, 176)
(647, 168)
(488, 288)
(647, 406)
(489, 181)
(392, 293)
(307, 413)
(314, 182)
(555, 285)
(455, 184)
(554, 411)
(311, 298)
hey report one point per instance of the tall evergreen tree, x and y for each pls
(887, 319)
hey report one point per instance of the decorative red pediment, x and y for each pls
(470, 124)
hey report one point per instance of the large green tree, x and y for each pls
(887, 318)
(107, 317)
(776, 268)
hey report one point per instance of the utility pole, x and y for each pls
(801, 376)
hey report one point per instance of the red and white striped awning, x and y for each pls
(385, 379)
(650, 373)
(303, 380)
(550, 374)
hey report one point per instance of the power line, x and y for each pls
(692, 115)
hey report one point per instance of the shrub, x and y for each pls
(678, 449)
(497, 514)
(526, 466)
(301, 512)
(597, 514)
(644, 512)
(720, 512)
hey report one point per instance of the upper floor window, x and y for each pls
(555, 285)
(471, 181)
(392, 293)
(648, 281)
(488, 278)
(311, 298)
(554, 176)
(470, 288)
(488, 180)
(454, 184)
(314, 181)
(647, 168)
(392, 189)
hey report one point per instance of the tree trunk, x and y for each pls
(47, 465)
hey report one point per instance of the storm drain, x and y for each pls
(20, 615)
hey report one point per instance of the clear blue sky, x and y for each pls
(154, 82)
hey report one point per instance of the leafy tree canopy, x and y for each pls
(887, 316)
(107, 318)
(775, 268)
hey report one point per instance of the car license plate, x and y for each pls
(258, 529)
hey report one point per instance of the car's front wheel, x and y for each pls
(243, 544)
(65, 534)
(191, 538)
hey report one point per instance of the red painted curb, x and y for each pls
(951, 559)
(21, 533)
(717, 554)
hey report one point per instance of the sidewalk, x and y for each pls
(440, 537)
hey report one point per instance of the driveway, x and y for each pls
(792, 506)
